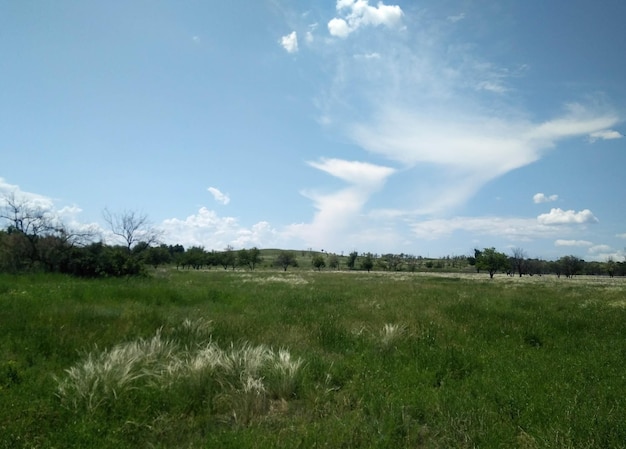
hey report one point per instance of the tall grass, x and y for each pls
(199, 359)
(244, 377)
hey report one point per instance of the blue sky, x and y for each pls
(422, 127)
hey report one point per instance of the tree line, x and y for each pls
(33, 239)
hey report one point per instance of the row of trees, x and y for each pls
(34, 239)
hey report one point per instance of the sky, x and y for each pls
(423, 127)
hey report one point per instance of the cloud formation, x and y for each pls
(290, 42)
(219, 196)
(209, 230)
(539, 198)
(339, 210)
(558, 216)
(605, 134)
(358, 13)
(562, 242)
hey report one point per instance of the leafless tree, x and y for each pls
(132, 227)
(25, 217)
(519, 260)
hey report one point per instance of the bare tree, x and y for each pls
(132, 227)
(25, 217)
(519, 261)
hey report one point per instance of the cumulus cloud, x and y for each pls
(219, 196)
(563, 242)
(558, 216)
(600, 249)
(539, 198)
(290, 42)
(207, 229)
(621, 236)
(605, 134)
(358, 13)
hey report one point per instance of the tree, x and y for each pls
(519, 261)
(351, 263)
(249, 257)
(610, 266)
(156, 256)
(367, 262)
(318, 262)
(333, 261)
(35, 237)
(286, 259)
(131, 227)
(570, 265)
(492, 261)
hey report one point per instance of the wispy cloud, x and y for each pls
(539, 198)
(290, 42)
(336, 211)
(456, 18)
(511, 228)
(355, 14)
(432, 104)
(605, 134)
(219, 196)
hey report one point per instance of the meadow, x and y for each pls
(302, 359)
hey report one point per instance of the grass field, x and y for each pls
(304, 359)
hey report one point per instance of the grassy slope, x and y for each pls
(466, 362)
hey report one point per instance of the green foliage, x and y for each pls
(492, 261)
(286, 259)
(318, 262)
(351, 263)
(367, 262)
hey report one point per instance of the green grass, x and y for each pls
(306, 359)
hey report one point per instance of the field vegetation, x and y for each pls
(308, 358)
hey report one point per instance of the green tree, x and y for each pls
(492, 261)
(367, 262)
(249, 257)
(351, 263)
(333, 261)
(286, 259)
(158, 255)
(318, 262)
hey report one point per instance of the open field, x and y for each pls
(306, 359)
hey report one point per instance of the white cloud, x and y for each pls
(340, 210)
(290, 42)
(539, 198)
(219, 196)
(600, 249)
(358, 13)
(420, 101)
(456, 17)
(621, 236)
(207, 229)
(605, 134)
(558, 216)
(511, 228)
(562, 242)
(32, 199)
(363, 174)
